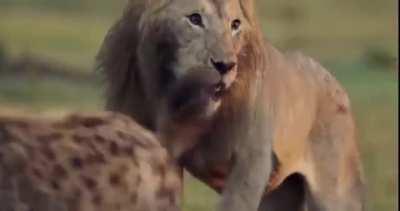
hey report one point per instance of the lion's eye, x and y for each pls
(196, 19)
(236, 24)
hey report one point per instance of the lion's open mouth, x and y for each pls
(218, 91)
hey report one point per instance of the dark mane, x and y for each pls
(118, 62)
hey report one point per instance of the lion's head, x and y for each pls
(157, 42)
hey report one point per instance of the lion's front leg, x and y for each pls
(247, 181)
(252, 160)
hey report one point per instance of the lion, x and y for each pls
(283, 137)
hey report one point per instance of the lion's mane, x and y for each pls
(118, 61)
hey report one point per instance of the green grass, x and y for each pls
(331, 29)
(198, 197)
(39, 94)
(71, 39)
(338, 32)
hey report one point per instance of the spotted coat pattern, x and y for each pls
(100, 162)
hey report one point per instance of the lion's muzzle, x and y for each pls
(198, 93)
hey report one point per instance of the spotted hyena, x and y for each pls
(92, 162)
(101, 162)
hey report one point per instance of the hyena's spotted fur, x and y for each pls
(101, 162)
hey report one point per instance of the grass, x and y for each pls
(40, 94)
(338, 32)
(70, 39)
(335, 30)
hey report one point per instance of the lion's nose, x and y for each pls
(223, 67)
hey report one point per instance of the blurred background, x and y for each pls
(47, 50)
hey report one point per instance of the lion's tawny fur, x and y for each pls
(308, 118)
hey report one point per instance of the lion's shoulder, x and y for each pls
(330, 89)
